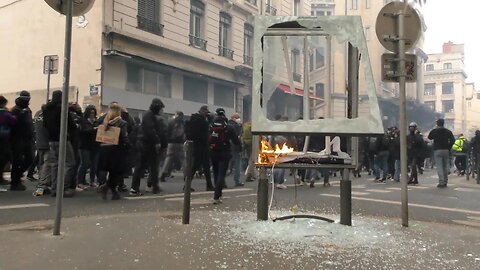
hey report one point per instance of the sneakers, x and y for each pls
(148, 189)
(312, 183)
(217, 201)
(31, 178)
(93, 185)
(441, 186)
(240, 184)
(281, 186)
(134, 192)
(327, 184)
(18, 187)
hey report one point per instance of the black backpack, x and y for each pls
(217, 138)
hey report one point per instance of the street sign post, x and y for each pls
(50, 66)
(390, 67)
(398, 29)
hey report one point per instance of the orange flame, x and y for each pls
(267, 154)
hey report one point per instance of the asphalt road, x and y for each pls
(459, 203)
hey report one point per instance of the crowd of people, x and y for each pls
(152, 148)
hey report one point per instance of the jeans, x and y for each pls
(88, 160)
(220, 165)
(396, 176)
(236, 167)
(279, 176)
(413, 170)
(381, 163)
(69, 176)
(148, 158)
(442, 159)
(45, 172)
(174, 151)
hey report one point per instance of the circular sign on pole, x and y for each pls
(80, 7)
(386, 25)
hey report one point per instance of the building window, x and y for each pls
(447, 88)
(148, 81)
(429, 67)
(296, 65)
(197, 15)
(195, 90)
(320, 90)
(429, 89)
(224, 36)
(319, 57)
(296, 7)
(367, 33)
(430, 104)
(133, 78)
(148, 17)
(447, 106)
(253, 2)
(368, 4)
(353, 4)
(269, 8)
(447, 66)
(248, 44)
(224, 96)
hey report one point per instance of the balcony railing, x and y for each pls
(225, 52)
(271, 10)
(248, 60)
(150, 25)
(297, 77)
(198, 42)
(253, 2)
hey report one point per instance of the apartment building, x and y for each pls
(188, 53)
(445, 86)
(473, 110)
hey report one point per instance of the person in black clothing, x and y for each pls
(44, 172)
(443, 141)
(22, 139)
(197, 131)
(51, 120)
(414, 150)
(113, 158)
(151, 142)
(221, 136)
(381, 158)
(7, 122)
(176, 139)
(88, 147)
(395, 152)
(75, 112)
(236, 165)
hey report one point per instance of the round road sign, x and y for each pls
(386, 25)
(80, 7)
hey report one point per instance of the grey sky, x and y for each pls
(456, 21)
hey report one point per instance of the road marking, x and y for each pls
(378, 190)
(359, 193)
(359, 186)
(173, 195)
(246, 195)
(465, 211)
(467, 222)
(467, 189)
(394, 188)
(420, 187)
(16, 206)
(474, 218)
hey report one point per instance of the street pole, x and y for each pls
(262, 195)
(306, 90)
(64, 118)
(403, 115)
(188, 174)
(48, 76)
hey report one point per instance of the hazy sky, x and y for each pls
(456, 21)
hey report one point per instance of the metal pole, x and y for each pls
(64, 119)
(346, 199)
(76, 98)
(306, 90)
(188, 174)
(403, 116)
(48, 77)
(262, 195)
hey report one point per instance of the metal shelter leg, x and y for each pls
(346, 198)
(262, 195)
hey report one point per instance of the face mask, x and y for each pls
(238, 120)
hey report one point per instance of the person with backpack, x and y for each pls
(176, 139)
(7, 121)
(221, 136)
(197, 130)
(414, 152)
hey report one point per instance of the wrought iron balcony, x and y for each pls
(271, 10)
(248, 60)
(225, 52)
(198, 42)
(297, 77)
(253, 2)
(150, 25)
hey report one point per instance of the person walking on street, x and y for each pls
(88, 147)
(236, 123)
(44, 171)
(7, 122)
(198, 129)
(221, 136)
(151, 141)
(443, 141)
(113, 158)
(51, 120)
(414, 151)
(381, 158)
(22, 139)
(459, 152)
(176, 139)
(475, 152)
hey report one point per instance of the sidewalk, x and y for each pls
(234, 240)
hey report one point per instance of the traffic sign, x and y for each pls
(50, 64)
(390, 67)
(80, 7)
(386, 26)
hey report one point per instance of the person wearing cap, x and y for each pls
(414, 148)
(197, 130)
(7, 122)
(22, 139)
(151, 141)
(236, 122)
(443, 141)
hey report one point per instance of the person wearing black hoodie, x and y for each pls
(7, 121)
(151, 141)
(51, 120)
(22, 139)
(88, 147)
